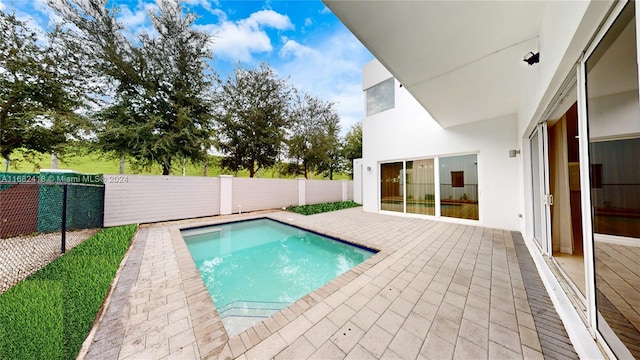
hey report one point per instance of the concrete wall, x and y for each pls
(320, 191)
(408, 132)
(358, 169)
(566, 30)
(142, 199)
(251, 194)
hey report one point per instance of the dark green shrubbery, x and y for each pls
(321, 208)
(49, 315)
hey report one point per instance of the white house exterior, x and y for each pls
(459, 128)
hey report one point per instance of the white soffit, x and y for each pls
(462, 60)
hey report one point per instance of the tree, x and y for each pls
(305, 113)
(160, 108)
(40, 98)
(352, 146)
(313, 144)
(328, 146)
(252, 118)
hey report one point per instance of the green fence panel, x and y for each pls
(85, 206)
(50, 208)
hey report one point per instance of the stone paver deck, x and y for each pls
(435, 290)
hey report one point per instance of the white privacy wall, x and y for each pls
(142, 199)
(134, 199)
(320, 191)
(251, 194)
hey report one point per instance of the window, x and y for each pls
(391, 190)
(410, 186)
(421, 187)
(457, 179)
(381, 97)
(459, 196)
(596, 176)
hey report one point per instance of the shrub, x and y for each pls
(321, 208)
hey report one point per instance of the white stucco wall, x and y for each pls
(566, 30)
(357, 180)
(409, 132)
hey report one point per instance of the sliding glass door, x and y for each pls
(613, 121)
(421, 187)
(413, 186)
(539, 189)
(391, 187)
(459, 186)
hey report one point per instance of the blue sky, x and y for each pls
(302, 40)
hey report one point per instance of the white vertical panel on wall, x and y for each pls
(322, 191)
(251, 194)
(350, 191)
(133, 199)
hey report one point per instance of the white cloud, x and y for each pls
(238, 41)
(2, 6)
(295, 49)
(268, 18)
(325, 10)
(330, 69)
(206, 4)
(132, 19)
(136, 20)
(308, 22)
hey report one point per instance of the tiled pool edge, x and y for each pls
(211, 336)
(207, 326)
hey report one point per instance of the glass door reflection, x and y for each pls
(391, 187)
(613, 115)
(421, 187)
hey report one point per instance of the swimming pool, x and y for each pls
(253, 269)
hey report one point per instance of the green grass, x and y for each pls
(49, 315)
(97, 163)
(321, 208)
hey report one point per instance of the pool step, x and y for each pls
(251, 309)
(241, 315)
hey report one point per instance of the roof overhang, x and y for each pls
(462, 60)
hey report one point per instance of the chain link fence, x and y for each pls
(41, 218)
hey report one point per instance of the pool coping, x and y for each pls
(211, 336)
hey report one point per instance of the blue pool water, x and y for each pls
(253, 269)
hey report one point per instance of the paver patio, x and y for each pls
(435, 290)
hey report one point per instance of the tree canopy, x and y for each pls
(314, 142)
(352, 148)
(252, 118)
(153, 97)
(161, 101)
(39, 94)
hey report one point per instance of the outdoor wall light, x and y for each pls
(532, 58)
(513, 153)
(368, 168)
